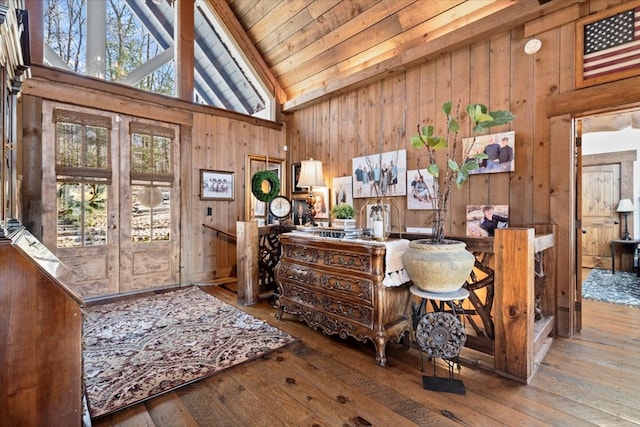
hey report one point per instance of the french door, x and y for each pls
(111, 199)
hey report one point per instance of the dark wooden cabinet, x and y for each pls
(337, 286)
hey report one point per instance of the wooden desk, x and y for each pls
(336, 285)
(622, 242)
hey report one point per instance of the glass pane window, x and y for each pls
(128, 46)
(80, 146)
(150, 154)
(69, 145)
(82, 214)
(141, 150)
(150, 213)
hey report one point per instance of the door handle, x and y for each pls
(113, 227)
(584, 231)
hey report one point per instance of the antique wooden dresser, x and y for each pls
(341, 287)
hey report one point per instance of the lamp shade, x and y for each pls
(625, 205)
(311, 174)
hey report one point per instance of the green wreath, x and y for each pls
(256, 185)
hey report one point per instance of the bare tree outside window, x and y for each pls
(129, 45)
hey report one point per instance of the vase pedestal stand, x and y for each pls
(441, 335)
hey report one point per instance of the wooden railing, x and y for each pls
(258, 252)
(525, 312)
(219, 231)
(512, 297)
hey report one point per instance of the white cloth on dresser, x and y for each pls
(395, 274)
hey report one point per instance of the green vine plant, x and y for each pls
(454, 172)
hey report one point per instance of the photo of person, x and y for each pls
(300, 215)
(422, 190)
(378, 175)
(482, 220)
(322, 202)
(498, 149)
(341, 188)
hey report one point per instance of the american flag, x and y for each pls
(612, 44)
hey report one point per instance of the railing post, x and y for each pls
(514, 308)
(248, 262)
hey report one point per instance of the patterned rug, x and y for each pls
(620, 288)
(139, 348)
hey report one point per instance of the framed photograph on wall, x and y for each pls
(216, 185)
(422, 192)
(341, 191)
(482, 220)
(295, 176)
(322, 202)
(378, 175)
(499, 147)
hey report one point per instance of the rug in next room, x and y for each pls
(620, 288)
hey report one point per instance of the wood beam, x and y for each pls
(184, 37)
(607, 95)
(63, 86)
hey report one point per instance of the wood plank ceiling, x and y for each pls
(317, 48)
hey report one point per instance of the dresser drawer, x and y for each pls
(341, 259)
(339, 284)
(347, 309)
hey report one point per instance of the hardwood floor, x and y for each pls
(591, 379)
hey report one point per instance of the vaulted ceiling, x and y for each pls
(311, 49)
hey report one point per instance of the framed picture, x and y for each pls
(295, 176)
(216, 185)
(341, 191)
(606, 46)
(387, 216)
(256, 163)
(299, 215)
(499, 147)
(380, 175)
(482, 220)
(423, 189)
(322, 202)
(260, 208)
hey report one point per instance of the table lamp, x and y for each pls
(311, 176)
(625, 206)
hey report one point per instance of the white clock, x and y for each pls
(280, 207)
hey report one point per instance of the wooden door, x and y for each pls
(600, 223)
(579, 230)
(150, 205)
(115, 220)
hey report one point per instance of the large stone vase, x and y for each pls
(438, 267)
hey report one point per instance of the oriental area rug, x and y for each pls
(139, 348)
(620, 288)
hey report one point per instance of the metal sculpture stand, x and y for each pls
(442, 335)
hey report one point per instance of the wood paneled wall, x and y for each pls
(221, 143)
(383, 116)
